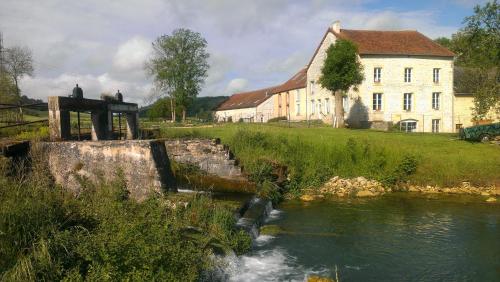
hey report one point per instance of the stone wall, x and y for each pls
(144, 163)
(208, 155)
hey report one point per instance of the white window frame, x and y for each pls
(408, 72)
(407, 101)
(377, 74)
(435, 75)
(319, 106)
(297, 108)
(297, 95)
(313, 107)
(345, 103)
(405, 125)
(312, 85)
(436, 96)
(435, 125)
(328, 105)
(377, 102)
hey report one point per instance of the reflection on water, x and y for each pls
(392, 238)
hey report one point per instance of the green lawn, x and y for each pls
(313, 155)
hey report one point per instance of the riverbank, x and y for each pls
(313, 156)
(362, 187)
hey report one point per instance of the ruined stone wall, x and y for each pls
(208, 155)
(144, 163)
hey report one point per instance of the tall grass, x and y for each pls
(313, 155)
(46, 233)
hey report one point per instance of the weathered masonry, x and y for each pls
(101, 112)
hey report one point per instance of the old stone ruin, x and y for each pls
(145, 165)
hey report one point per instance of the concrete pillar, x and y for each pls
(132, 125)
(100, 125)
(60, 125)
(59, 121)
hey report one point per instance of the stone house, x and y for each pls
(408, 84)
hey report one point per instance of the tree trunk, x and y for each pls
(183, 115)
(172, 108)
(339, 109)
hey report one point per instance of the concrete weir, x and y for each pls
(144, 164)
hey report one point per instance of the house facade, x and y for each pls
(408, 82)
(253, 106)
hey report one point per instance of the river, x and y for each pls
(397, 237)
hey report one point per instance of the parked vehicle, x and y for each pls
(483, 133)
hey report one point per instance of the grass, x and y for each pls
(46, 234)
(313, 155)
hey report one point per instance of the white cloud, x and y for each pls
(103, 44)
(132, 54)
(236, 85)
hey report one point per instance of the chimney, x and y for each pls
(336, 26)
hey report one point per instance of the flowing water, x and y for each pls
(390, 238)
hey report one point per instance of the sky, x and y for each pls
(103, 45)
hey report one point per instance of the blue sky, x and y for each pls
(102, 45)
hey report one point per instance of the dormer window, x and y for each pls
(407, 74)
(377, 74)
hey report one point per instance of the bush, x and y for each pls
(48, 234)
(277, 119)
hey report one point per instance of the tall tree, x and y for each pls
(179, 67)
(478, 46)
(18, 62)
(341, 71)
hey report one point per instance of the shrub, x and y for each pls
(277, 119)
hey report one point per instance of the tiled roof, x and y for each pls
(376, 42)
(299, 80)
(406, 42)
(247, 99)
(254, 98)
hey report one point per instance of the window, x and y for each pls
(313, 107)
(312, 87)
(435, 125)
(319, 107)
(377, 74)
(409, 125)
(435, 100)
(297, 101)
(407, 74)
(328, 106)
(377, 101)
(435, 75)
(407, 102)
(345, 103)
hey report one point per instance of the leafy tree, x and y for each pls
(160, 109)
(179, 67)
(18, 62)
(341, 71)
(8, 93)
(444, 41)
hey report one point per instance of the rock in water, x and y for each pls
(365, 193)
(491, 200)
(314, 278)
(307, 198)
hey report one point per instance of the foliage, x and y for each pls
(477, 49)
(160, 109)
(314, 155)
(48, 234)
(179, 66)
(405, 168)
(277, 119)
(18, 62)
(8, 93)
(341, 71)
